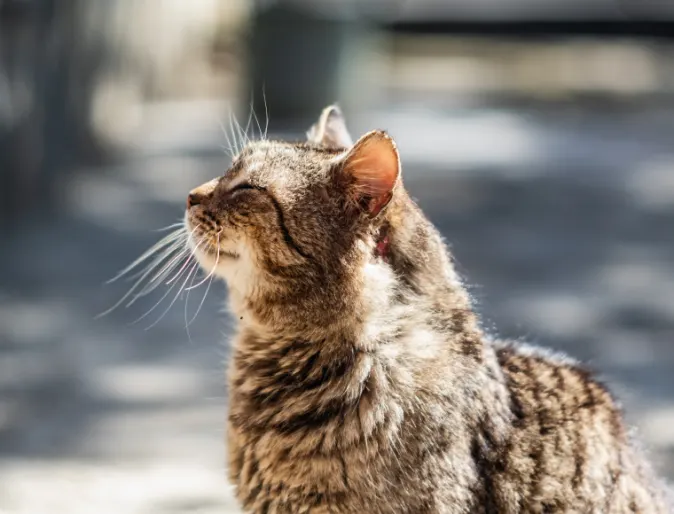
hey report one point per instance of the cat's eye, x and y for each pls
(241, 187)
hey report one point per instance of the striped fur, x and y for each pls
(361, 380)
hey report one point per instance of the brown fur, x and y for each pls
(361, 380)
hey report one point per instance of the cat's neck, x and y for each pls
(383, 316)
(378, 315)
(353, 380)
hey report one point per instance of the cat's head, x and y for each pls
(306, 225)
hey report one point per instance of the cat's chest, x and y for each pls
(265, 469)
(262, 473)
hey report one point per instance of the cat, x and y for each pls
(361, 380)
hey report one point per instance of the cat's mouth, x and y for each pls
(210, 247)
(216, 253)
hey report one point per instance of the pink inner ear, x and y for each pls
(374, 167)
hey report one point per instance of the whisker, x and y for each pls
(168, 291)
(266, 113)
(164, 244)
(146, 288)
(170, 238)
(192, 253)
(259, 127)
(210, 275)
(189, 274)
(204, 280)
(233, 132)
(157, 280)
(180, 273)
(229, 142)
(170, 265)
(128, 293)
(208, 287)
(217, 258)
(257, 121)
(239, 129)
(161, 255)
(250, 119)
(187, 301)
(203, 299)
(152, 267)
(180, 223)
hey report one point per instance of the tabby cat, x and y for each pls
(361, 381)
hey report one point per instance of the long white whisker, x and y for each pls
(257, 121)
(170, 238)
(168, 291)
(180, 273)
(208, 287)
(266, 113)
(203, 299)
(128, 293)
(158, 279)
(233, 131)
(170, 265)
(189, 274)
(172, 225)
(187, 301)
(217, 258)
(187, 254)
(192, 254)
(202, 281)
(250, 119)
(229, 142)
(151, 268)
(156, 262)
(239, 129)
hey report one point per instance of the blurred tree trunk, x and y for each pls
(73, 74)
(304, 58)
(45, 129)
(294, 59)
(18, 151)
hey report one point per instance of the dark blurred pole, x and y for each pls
(294, 58)
(18, 145)
(52, 125)
(53, 76)
(34, 74)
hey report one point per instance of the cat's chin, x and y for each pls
(218, 254)
(218, 262)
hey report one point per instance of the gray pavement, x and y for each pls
(560, 219)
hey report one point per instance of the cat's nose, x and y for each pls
(194, 199)
(199, 194)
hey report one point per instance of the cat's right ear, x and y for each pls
(370, 171)
(330, 129)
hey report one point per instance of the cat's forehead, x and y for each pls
(259, 154)
(267, 162)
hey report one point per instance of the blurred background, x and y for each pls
(537, 135)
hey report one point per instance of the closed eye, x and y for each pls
(242, 187)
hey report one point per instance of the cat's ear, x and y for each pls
(330, 129)
(371, 170)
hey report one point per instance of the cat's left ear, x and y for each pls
(330, 129)
(371, 171)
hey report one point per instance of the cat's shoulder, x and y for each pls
(508, 351)
(533, 371)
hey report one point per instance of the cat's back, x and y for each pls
(569, 449)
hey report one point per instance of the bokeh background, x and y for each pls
(538, 136)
